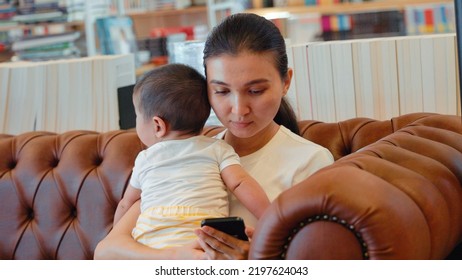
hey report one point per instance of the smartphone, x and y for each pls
(233, 226)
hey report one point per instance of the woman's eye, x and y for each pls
(256, 91)
(223, 91)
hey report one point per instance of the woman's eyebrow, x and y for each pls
(256, 81)
(218, 82)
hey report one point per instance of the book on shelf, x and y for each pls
(40, 17)
(7, 12)
(8, 23)
(63, 95)
(47, 110)
(168, 4)
(343, 79)
(387, 76)
(439, 73)
(321, 81)
(331, 2)
(375, 78)
(157, 47)
(25, 97)
(304, 28)
(77, 9)
(110, 73)
(39, 11)
(409, 74)
(43, 40)
(363, 25)
(50, 52)
(34, 6)
(4, 80)
(430, 18)
(299, 94)
(191, 53)
(116, 35)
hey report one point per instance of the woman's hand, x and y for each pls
(221, 246)
(192, 251)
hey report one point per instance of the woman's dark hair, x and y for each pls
(176, 93)
(255, 34)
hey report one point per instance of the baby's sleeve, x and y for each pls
(227, 155)
(135, 177)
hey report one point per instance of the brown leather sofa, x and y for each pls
(394, 192)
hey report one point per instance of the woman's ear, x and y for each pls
(160, 126)
(287, 80)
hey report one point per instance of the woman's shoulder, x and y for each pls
(286, 134)
(295, 142)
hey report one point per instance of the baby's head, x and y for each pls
(177, 94)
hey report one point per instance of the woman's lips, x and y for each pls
(240, 124)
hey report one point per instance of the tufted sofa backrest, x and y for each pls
(59, 192)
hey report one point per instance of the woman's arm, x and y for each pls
(119, 244)
(221, 246)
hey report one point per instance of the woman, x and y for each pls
(248, 76)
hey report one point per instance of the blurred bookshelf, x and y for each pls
(152, 25)
(333, 6)
(80, 28)
(156, 23)
(51, 29)
(324, 20)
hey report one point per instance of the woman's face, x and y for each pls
(245, 91)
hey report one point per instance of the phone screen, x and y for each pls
(233, 226)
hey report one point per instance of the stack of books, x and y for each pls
(7, 12)
(330, 2)
(157, 47)
(430, 18)
(76, 10)
(362, 25)
(47, 47)
(43, 34)
(168, 4)
(32, 12)
(376, 78)
(63, 95)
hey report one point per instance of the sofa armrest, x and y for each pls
(399, 198)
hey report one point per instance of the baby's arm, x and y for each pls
(246, 189)
(131, 195)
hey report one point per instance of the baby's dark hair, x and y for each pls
(176, 93)
(255, 34)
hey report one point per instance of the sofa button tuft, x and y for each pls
(12, 164)
(74, 212)
(54, 163)
(98, 161)
(30, 214)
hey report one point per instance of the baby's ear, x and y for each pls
(160, 126)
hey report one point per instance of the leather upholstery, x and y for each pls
(393, 193)
(397, 198)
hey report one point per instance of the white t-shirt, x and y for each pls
(284, 161)
(187, 173)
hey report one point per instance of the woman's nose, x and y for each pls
(240, 106)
